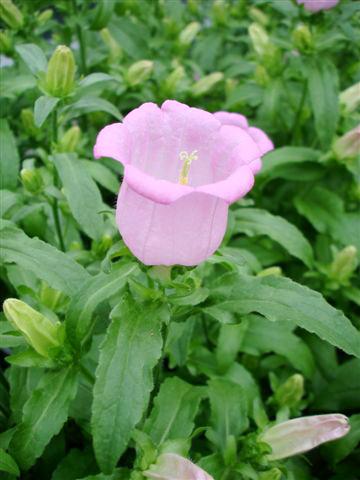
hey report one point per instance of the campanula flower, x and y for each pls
(317, 5)
(305, 433)
(183, 168)
(170, 466)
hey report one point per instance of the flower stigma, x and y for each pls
(185, 169)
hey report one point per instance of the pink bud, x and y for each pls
(305, 433)
(170, 466)
(317, 5)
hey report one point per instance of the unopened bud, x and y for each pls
(206, 84)
(259, 38)
(348, 146)
(100, 247)
(45, 16)
(50, 297)
(43, 335)
(170, 465)
(290, 392)
(344, 265)
(220, 12)
(350, 98)
(60, 75)
(305, 433)
(189, 33)
(32, 180)
(276, 271)
(102, 14)
(302, 38)
(258, 16)
(262, 77)
(5, 42)
(139, 72)
(70, 140)
(273, 474)
(179, 446)
(28, 122)
(115, 51)
(11, 15)
(172, 81)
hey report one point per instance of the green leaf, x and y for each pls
(82, 194)
(102, 175)
(9, 157)
(323, 93)
(46, 262)
(130, 350)
(75, 465)
(279, 160)
(254, 221)
(22, 382)
(238, 374)
(88, 104)
(33, 56)
(278, 298)
(44, 414)
(94, 78)
(8, 464)
(228, 405)
(95, 291)
(175, 408)
(43, 107)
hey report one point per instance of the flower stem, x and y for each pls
(80, 36)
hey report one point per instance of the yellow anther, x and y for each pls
(185, 169)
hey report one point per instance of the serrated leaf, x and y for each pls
(82, 194)
(254, 221)
(279, 298)
(130, 350)
(45, 261)
(98, 289)
(44, 414)
(175, 408)
(8, 464)
(43, 107)
(9, 157)
(33, 56)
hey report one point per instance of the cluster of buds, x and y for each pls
(268, 53)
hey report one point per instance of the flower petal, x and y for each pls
(263, 141)
(113, 141)
(302, 434)
(228, 118)
(170, 466)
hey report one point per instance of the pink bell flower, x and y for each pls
(170, 466)
(183, 168)
(317, 5)
(305, 433)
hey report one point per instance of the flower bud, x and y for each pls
(258, 16)
(276, 271)
(262, 77)
(350, 98)
(115, 51)
(60, 75)
(290, 392)
(348, 145)
(259, 38)
(70, 140)
(139, 72)
(50, 297)
(44, 16)
(172, 81)
(219, 11)
(189, 33)
(206, 84)
(103, 13)
(28, 122)
(43, 335)
(32, 180)
(179, 446)
(273, 474)
(302, 38)
(11, 15)
(305, 433)
(175, 467)
(344, 265)
(100, 247)
(5, 42)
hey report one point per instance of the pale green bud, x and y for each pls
(115, 51)
(261, 76)
(32, 180)
(350, 98)
(43, 335)
(348, 146)
(258, 16)
(276, 271)
(5, 42)
(60, 75)
(50, 297)
(103, 13)
(302, 38)
(206, 84)
(70, 140)
(172, 81)
(259, 38)
(290, 392)
(219, 10)
(139, 72)
(100, 247)
(45, 16)
(11, 15)
(344, 265)
(189, 33)
(28, 122)
(273, 474)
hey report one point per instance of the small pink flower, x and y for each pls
(183, 168)
(317, 5)
(305, 433)
(170, 466)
